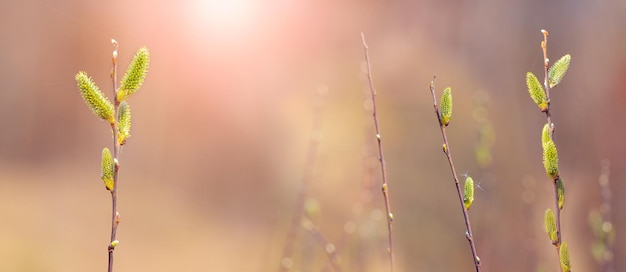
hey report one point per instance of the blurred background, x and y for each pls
(224, 122)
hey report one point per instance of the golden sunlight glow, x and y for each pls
(222, 17)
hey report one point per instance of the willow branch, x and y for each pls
(381, 157)
(115, 217)
(298, 211)
(446, 150)
(546, 85)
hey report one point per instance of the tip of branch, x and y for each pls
(115, 47)
(432, 83)
(363, 40)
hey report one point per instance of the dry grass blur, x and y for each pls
(220, 129)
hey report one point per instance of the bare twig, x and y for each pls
(307, 176)
(329, 248)
(381, 158)
(606, 261)
(446, 150)
(115, 216)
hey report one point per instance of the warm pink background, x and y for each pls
(209, 177)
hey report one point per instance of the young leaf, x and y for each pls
(468, 193)
(550, 226)
(94, 98)
(558, 69)
(536, 91)
(446, 106)
(108, 167)
(135, 74)
(123, 122)
(560, 190)
(566, 265)
(550, 159)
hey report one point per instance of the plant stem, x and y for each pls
(115, 219)
(607, 263)
(381, 157)
(546, 84)
(446, 150)
(331, 252)
(307, 176)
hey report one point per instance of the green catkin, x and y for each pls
(560, 190)
(550, 226)
(551, 159)
(94, 98)
(545, 134)
(468, 193)
(446, 106)
(123, 122)
(135, 74)
(537, 93)
(108, 168)
(566, 265)
(558, 70)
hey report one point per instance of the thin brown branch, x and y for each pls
(381, 157)
(116, 46)
(115, 217)
(607, 263)
(307, 176)
(446, 150)
(546, 85)
(328, 247)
